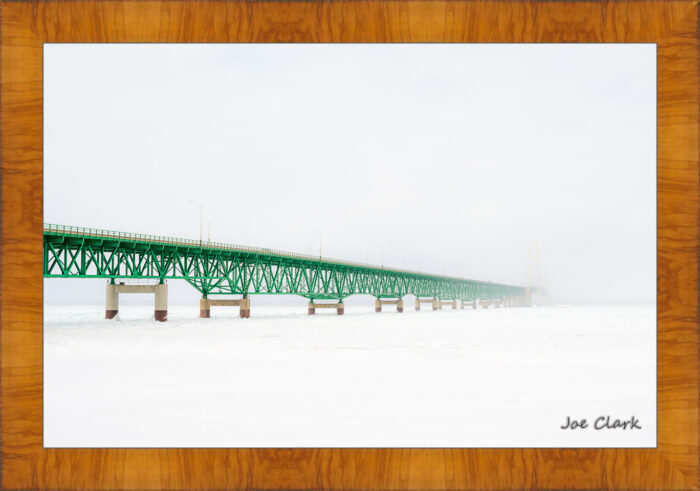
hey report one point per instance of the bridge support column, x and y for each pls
(161, 311)
(245, 308)
(111, 301)
(161, 300)
(426, 300)
(398, 302)
(204, 308)
(439, 304)
(339, 307)
(205, 305)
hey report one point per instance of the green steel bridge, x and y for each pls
(216, 268)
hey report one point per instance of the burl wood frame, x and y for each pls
(25, 26)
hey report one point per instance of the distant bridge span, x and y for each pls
(215, 269)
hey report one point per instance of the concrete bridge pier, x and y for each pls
(245, 308)
(161, 310)
(339, 307)
(205, 305)
(466, 303)
(398, 302)
(161, 298)
(423, 300)
(112, 301)
(438, 304)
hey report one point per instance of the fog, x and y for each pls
(452, 159)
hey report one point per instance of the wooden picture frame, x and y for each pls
(26, 26)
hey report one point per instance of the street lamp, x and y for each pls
(201, 219)
(209, 228)
(320, 243)
(311, 244)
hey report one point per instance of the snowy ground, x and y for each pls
(472, 378)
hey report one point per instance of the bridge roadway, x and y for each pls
(225, 269)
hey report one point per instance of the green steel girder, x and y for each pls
(212, 269)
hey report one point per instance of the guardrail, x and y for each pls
(111, 234)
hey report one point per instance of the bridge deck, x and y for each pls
(219, 268)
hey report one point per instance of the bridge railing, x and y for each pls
(111, 234)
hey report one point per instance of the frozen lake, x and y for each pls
(472, 378)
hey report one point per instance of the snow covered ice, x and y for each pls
(452, 378)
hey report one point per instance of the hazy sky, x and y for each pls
(448, 157)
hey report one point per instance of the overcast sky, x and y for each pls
(449, 157)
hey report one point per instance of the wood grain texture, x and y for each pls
(25, 26)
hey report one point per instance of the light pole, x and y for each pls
(320, 243)
(201, 219)
(209, 228)
(311, 244)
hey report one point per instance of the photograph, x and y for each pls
(410, 245)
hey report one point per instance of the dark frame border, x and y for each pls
(26, 26)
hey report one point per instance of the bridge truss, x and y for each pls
(216, 268)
